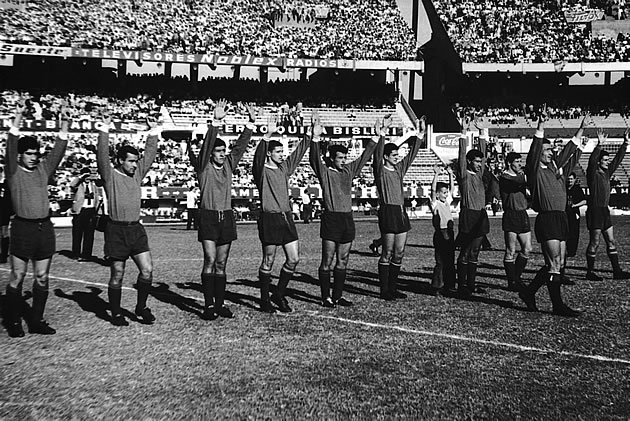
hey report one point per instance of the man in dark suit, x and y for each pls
(86, 201)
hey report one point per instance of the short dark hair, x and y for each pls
(511, 157)
(218, 143)
(85, 170)
(389, 148)
(441, 185)
(273, 144)
(573, 174)
(473, 154)
(334, 149)
(546, 141)
(602, 154)
(27, 142)
(124, 150)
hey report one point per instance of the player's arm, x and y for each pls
(414, 143)
(243, 140)
(211, 135)
(437, 169)
(621, 152)
(102, 148)
(569, 156)
(194, 160)
(451, 179)
(296, 156)
(532, 162)
(315, 154)
(357, 165)
(59, 150)
(483, 142)
(11, 161)
(377, 163)
(150, 148)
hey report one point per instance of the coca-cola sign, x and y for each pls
(450, 140)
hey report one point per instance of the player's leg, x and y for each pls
(144, 262)
(553, 251)
(222, 255)
(613, 254)
(292, 258)
(208, 278)
(77, 235)
(4, 243)
(387, 253)
(465, 242)
(328, 254)
(14, 299)
(114, 292)
(525, 241)
(591, 253)
(400, 241)
(509, 259)
(264, 276)
(473, 259)
(343, 256)
(41, 269)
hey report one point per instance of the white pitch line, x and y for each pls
(517, 347)
(474, 340)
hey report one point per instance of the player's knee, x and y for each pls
(509, 255)
(115, 283)
(41, 279)
(18, 273)
(292, 262)
(146, 273)
(219, 266)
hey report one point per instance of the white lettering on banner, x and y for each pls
(447, 140)
(583, 16)
(31, 50)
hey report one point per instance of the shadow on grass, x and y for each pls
(162, 292)
(68, 254)
(91, 302)
(233, 297)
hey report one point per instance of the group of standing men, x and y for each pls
(32, 235)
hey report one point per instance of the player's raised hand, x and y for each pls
(252, 112)
(272, 125)
(480, 124)
(601, 137)
(388, 120)
(316, 125)
(626, 136)
(220, 109)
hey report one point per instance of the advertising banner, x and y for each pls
(583, 16)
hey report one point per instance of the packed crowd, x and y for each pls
(525, 31)
(371, 29)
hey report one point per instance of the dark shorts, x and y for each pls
(32, 239)
(392, 219)
(473, 223)
(337, 227)
(276, 228)
(552, 225)
(124, 241)
(516, 221)
(217, 226)
(598, 218)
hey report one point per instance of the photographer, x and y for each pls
(86, 201)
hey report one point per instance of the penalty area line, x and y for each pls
(521, 348)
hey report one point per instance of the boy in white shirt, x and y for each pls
(444, 275)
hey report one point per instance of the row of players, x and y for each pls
(32, 235)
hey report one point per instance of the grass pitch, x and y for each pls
(419, 358)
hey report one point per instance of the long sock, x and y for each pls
(510, 271)
(4, 247)
(340, 280)
(471, 275)
(207, 285)
(383, 277)
(219, 290)
(462, 272)
(144, 286)
(614, 260)
(590, 262)
(283, 282)
(114, 295)
(394, 270)
(40, 296)
(265, 282)
(553, 285)
(324, 283)
(14, 304)
(538, 281)
(520, 264)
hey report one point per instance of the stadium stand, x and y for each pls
(371, 29)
